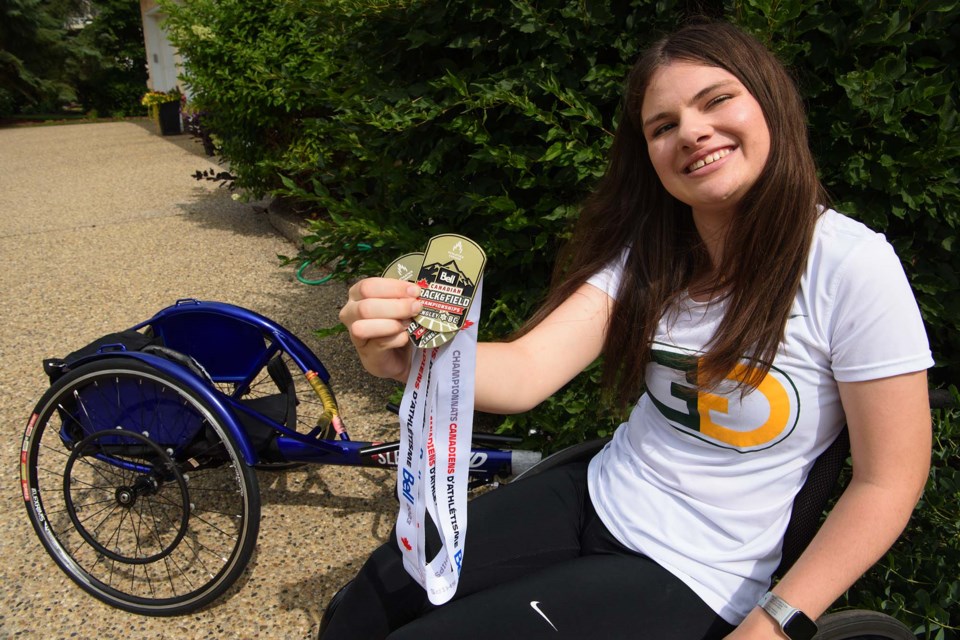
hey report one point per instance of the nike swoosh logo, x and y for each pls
(535, 605)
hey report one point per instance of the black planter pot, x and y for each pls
(169, 118)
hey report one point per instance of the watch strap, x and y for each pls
(794, 622)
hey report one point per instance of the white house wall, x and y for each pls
(163, 62)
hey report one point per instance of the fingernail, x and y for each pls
(413, 291)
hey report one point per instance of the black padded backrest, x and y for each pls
(808, 506)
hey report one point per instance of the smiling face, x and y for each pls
(707, 138)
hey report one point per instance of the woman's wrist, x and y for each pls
(758, 624)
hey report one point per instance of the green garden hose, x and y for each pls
(362, 246)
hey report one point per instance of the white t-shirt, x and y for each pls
(703, 483)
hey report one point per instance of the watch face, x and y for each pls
(800, 627)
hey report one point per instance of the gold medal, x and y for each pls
(405, 268)
(452, 267)
(447, 273)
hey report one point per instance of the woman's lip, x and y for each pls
(706, 159)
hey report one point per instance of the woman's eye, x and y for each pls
(719, 99)
(662, 129)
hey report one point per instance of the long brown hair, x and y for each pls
(766, 245)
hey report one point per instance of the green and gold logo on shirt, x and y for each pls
(725, 417)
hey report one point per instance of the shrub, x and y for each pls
(880, 79)
(389, 129)
(260, 72)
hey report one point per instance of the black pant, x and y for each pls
(538, 563)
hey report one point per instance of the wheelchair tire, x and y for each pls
(860, 624)
(136, 489)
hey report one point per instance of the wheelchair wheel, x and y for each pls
(136, 490)
(862, 625)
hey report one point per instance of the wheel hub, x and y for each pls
(126, 497)
(144, 486)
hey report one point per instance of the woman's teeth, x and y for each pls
(710, 159)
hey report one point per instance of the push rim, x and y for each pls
(119, 498)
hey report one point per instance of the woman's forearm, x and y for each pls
(866, 521)
(516, 376)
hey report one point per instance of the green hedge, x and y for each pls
(389, 121)
(880, 79)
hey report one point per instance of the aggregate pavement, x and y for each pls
(102, 225)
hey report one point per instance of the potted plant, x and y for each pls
(164, 108)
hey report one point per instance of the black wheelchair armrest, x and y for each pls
(581, 452)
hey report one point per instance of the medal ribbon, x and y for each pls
(436, 428)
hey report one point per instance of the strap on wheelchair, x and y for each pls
(182, 359)
(280, 374)
(128, 340)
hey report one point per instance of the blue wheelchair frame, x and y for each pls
(233, 345)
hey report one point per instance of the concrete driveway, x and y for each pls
(101, 225)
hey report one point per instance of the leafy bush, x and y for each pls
(389, 121)
(389, 129)
(495, 132)
(880, 80)
(260, 73)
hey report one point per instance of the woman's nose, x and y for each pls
(694, 129)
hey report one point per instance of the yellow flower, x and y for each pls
(152, 98)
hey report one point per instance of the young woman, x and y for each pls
(709, 271)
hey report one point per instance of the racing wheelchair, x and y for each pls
(137, 466)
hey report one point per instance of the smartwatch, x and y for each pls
(794, 623)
